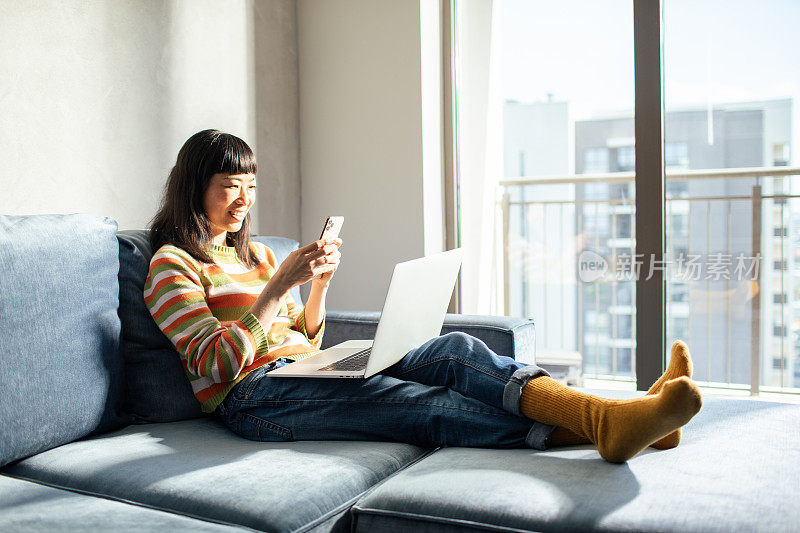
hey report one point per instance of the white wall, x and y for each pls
(276, 117)
(361, 135)
(96, 98)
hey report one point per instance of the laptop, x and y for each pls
(413, 313)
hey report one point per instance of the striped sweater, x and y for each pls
(204, 309)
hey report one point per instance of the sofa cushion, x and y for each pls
(34, 508)
(510, 336)
(735, 470)
(60, 367)
(156, 386)
(200, 468)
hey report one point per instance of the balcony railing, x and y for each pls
(713, 318)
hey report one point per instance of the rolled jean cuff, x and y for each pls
(539, 436)
(513, 389)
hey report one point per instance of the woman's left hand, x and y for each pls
(330, 260)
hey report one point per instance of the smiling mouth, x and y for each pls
(238, 215)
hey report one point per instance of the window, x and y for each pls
(626, 159)
(625, 327)
(780, 154)
(679, 292)
(678, 223)
(624, 360)
(625, 293)
(677, 188)
(680, 327)
(723, 112)
(620, 191)
(565, 87)
(595, 161)
(623, 226)
(676, 155)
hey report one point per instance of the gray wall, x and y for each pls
(96, 98)
(362, 87)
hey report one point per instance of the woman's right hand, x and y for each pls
(305, 264)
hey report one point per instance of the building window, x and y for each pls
(677, 188)
(626, 159)
(679, 224)
(624, 327)
(595, 160)
(676, 154)
(624, 360)
(680, 326)
(623, 226)
(679, 292)
(625, 293)
(780, 298)
(780, 264)
(779, 331)
(780, 154)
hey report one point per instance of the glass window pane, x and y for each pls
(567, 91)
(732, 93)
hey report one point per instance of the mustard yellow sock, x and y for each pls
(564, 437)
(680, 364)
(619, 428)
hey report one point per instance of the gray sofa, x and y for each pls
(99, 431)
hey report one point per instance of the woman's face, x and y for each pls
(226, 201)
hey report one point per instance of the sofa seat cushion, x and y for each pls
(737, 469)
(200, 468)
(34, 508)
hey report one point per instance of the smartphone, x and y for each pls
(332, 227)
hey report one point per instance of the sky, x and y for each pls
(715, 51)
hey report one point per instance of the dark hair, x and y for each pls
(181, 219)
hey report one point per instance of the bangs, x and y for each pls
(233, 156)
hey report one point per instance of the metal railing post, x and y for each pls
(755, 324)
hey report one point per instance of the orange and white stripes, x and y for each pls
(204, 309)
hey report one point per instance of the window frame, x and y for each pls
(650, 322)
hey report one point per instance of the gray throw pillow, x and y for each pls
(156, 386)
(60, 366)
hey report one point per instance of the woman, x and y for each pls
(224, 302)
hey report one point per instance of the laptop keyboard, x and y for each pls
(357, 361)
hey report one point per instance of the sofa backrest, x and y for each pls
(156, 386)
(60, 367)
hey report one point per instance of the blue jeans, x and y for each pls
(451, 391)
